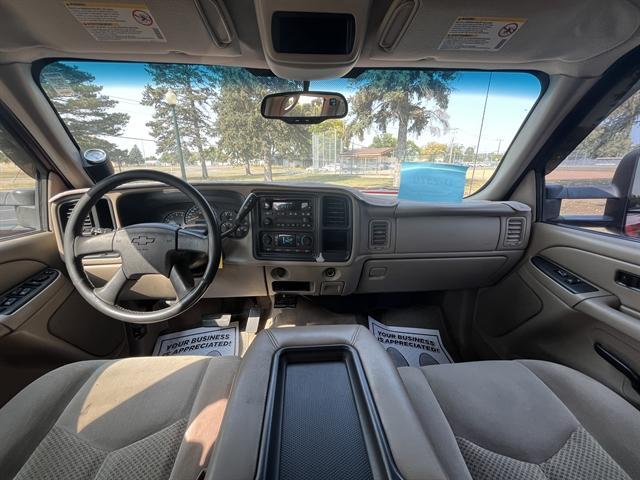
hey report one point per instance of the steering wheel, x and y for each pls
(145, 248)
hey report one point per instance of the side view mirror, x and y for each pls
(621, 213)
(304, 107)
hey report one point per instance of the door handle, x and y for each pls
(606, 310)
(619, 365)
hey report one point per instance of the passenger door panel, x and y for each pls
(567, 326)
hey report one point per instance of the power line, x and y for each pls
(129, 138)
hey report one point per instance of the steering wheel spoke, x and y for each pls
(111, 290)
(93, 244)
(192, 240)
(182, 280)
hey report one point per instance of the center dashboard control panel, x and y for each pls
(286, 227)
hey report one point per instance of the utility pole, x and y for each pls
(171, 99)
(484, 111)
(453, 138)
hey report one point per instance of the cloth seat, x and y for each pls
(145, 418)
(529, 420)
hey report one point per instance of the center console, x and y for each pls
(323, 402)
(302, 227)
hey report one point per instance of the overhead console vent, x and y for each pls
(514, 235)
(379, 234)
(335, 212)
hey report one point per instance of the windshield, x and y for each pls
(204, 122)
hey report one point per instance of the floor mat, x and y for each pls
(209, 341)
(407, 346)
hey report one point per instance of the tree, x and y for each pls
(86, 112)
(612, 137)
(455, 153)
(135, 156)
(330, 127)
(243, 133)
(119, 157)
(435, 150)
(413, 100)
(469, 154)
(388, 140)
(194, 85)
(384, 140)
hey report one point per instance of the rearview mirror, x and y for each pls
(304, 107)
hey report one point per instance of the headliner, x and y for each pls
(578, 38)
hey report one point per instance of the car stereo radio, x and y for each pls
(286, 227)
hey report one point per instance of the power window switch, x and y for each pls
(7, 302)
(23, 291)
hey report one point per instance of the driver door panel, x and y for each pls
(53, 328)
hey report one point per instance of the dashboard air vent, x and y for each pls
(515, 232)
(335, 212)
(379, 234)
(65, 213)
(100, 215)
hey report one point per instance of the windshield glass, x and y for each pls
(204, 122)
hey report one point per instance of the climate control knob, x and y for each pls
(306, 240)
(267, 240)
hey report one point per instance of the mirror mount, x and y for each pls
(304, 107)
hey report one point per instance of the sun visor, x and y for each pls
(192, 27)
(310, 41)
(505, 31)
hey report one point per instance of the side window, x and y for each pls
(19, 175)
(596, 186)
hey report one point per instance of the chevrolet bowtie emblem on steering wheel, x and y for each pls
(142, 240)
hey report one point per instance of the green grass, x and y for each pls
(12, 178)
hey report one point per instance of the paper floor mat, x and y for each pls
(415, 347)
(209, 341)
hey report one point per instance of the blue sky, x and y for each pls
(511, 95)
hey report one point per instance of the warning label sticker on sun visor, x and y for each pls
(480, 33)
(415, 347)
(210, 341)
(117, 22)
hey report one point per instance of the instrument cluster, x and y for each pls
(193, 216)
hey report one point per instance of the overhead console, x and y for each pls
(312, 41)
(303, 227)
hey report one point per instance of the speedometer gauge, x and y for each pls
(175, 218)
(193, 216)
